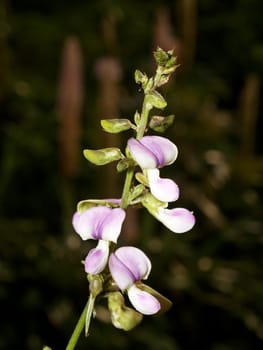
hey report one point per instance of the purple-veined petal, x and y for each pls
(143, 301)
(99, 222)
(122, 276)
(112, 224)
(142, 155)
(96, 260)
(128, 265)
(153, 151)
(178, 220)
(166, 190)
(165, 151)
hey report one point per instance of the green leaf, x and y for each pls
(103, 156)
(116, 125)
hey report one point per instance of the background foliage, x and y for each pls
(65, 65)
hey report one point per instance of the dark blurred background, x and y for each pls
(64, 65)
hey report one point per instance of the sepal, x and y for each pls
(137, 191)
(103, 156)
(140, 177)
(124, 164)
(152, 204)
(165, 303)
(89, 203)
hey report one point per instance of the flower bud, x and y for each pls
(124, 164)
(156, 99)
(140, 78)
(115, 126)
(122, 316)
(160, 124)
(103, 156)
(163, 58)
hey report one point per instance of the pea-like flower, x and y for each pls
(99, 223)
(152, 153)
(129, 265)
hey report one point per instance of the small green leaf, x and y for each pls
(115, 126)
(156, 99)
(103, 156)
(160, 124)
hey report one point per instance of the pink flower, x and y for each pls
(99, 223)
(152, 153)
(129, 265)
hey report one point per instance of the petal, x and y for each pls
(142, 155)
(128, 265)
(136, 261)
(112, 224)
(122, 276)
(166, 190)
(164, 150)
(97, 258)
(143, 301)
(178, 220)
(99, 222)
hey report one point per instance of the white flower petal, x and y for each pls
(165, 151)
(143, 301)
(136, 261)
(96, 260)
(122, 276)
(178, 220)
(128, 265)
(99, 222)
(112, 223)
(142, 155)
(166, 190)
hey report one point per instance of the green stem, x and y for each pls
(126, 188)
(78, 329)
(144, 118)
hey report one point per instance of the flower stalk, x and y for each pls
(112, 271)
